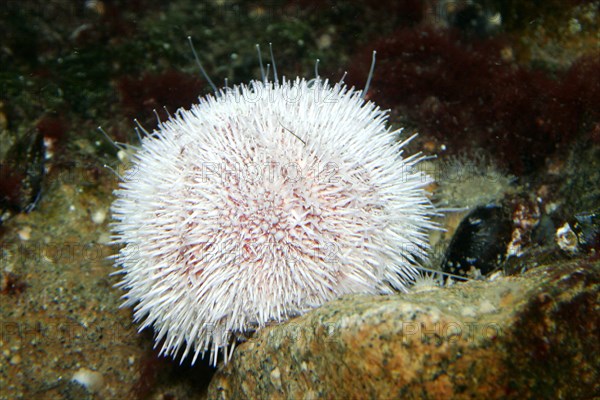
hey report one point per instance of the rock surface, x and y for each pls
(531, 336)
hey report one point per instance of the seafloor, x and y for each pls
(506, 93)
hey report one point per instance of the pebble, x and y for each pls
(91, 380)
(25, 233)
(99, 216)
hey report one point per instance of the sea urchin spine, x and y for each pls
(260, 203)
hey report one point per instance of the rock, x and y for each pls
(528, 336)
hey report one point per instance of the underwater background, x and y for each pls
(505, 94)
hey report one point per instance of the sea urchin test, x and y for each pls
(260, 203)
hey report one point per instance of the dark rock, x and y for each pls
(479, 243)
(22, 174)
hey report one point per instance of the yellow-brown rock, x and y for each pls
(531, 336)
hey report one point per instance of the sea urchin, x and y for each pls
(260, 203)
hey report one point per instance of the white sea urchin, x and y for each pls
(262, 202)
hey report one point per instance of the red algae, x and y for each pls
(154, 91)
(470, 94)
